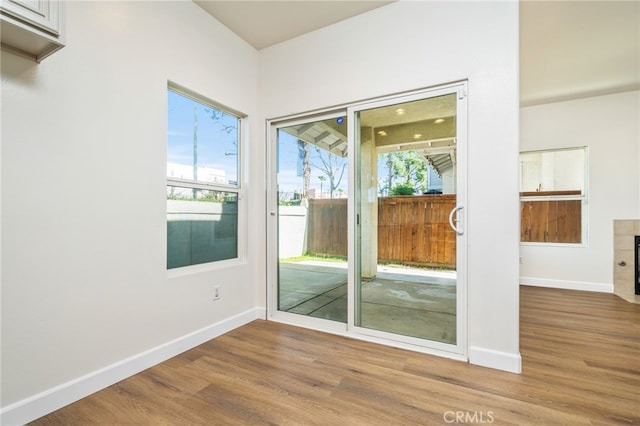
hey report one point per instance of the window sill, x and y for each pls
(203, 268)
(543, 244)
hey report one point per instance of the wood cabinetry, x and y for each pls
(32, 28)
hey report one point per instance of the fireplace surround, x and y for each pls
(636, 268)
(626, 247)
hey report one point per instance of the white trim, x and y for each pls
(55, 398)
(505, 361)
(340, 330)
(201, 185)
(198, 97)
(547, 245)
(567, 285)
(197, 268)
(261, 313)
(408, 342)
(584, 197)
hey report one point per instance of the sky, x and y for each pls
(217, 138)
(290, 166)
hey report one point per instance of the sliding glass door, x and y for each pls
(408, 218)
(366, 220)
(311, 213)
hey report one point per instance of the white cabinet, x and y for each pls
(32, 28)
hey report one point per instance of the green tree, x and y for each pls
(402, 189)
(408, 168)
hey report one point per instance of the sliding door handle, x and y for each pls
(456, 224)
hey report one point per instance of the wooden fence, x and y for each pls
(551, 221)
(411, 229)
(327, 226)
(415, 230)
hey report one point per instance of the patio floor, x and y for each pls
(409, 302)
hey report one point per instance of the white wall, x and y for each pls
(609, 126)
(292, 231)
(84, 280)
(411, 45)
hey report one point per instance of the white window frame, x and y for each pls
(584, 198)
(214, 186)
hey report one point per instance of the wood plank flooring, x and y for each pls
(581, 366)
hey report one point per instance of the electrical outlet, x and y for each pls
(521, 260)
(216, 292)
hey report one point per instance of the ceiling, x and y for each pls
(575, 49)
(568, 49)
(426, 126)
(263, 23)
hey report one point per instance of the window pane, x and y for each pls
(548, 181)
(202, 142)
(202, 226)
(549, 171)
(551, 221)
(312, 218)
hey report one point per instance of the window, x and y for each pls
(553, 196)
(202, 180)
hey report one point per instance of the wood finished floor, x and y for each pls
(581, 366)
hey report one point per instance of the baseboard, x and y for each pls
(261, 313)
(567, 285)
(505, 361)
(53, 399)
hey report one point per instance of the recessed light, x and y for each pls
(417, 136)
(382, 133)
(439, 120)
(401, 111)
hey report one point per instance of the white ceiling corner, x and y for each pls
(577, 49)
(263, 23)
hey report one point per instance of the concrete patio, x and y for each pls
(411, 302)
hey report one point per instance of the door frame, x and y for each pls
(460, 349)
